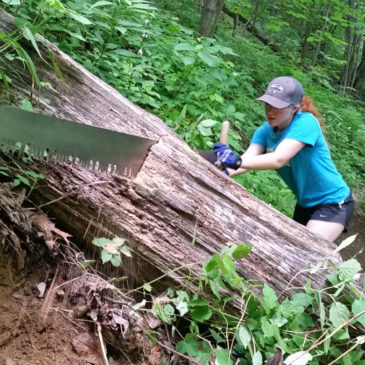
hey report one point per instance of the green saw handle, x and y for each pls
(224, 132)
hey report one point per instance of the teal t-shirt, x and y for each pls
(311, 173)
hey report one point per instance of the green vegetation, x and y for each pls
(193, 83)
(311, 326)
(153, 55)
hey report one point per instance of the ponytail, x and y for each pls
(307, 105)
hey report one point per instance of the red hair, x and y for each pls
(307, 105)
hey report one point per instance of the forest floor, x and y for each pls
(48, 330)
(43, 328)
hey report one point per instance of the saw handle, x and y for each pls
(224, 132)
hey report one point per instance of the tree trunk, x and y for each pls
(315, 58)
(305, 44)
(360, 78)
(207, 18)
(179, 209)
(218, 12)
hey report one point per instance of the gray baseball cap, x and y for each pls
(282, 92)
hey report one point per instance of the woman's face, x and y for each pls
(280, 118)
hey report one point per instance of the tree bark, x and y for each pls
(179, 209)
(360, 78)
(206, 20)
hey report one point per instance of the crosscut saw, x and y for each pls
(91, 147)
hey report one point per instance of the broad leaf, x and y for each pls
(257, 358)
(241, 251)
(357, 307)
(338, 314)
(201, 314)
(184, 47)
(299, 358)
(244, 336)
(105, 256)
(349, 268)
(222, 357)
(269, 299)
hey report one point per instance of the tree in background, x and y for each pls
(210, 17)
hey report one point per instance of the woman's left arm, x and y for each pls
(286, 150)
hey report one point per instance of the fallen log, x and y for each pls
(177, 211)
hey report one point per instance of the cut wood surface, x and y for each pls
(177, 211)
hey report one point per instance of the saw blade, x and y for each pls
(91, 147)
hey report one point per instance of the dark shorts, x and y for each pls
(338, 212)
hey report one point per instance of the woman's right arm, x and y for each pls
(254, 149)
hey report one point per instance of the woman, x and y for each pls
(292, 142)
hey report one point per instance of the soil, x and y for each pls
(36, 330)
(24, 337)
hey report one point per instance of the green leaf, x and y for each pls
(124, 52)
(79, 18)
(267, 328)
(269, 299)
(257, 358)
(100, 3)
(147, 287)
(86, 264)
(126, 251)
(349, 268)
(241, 251)
(206, 132)
(305, 320)
(115, 260)
(182, 307)
(214, 289)
(22, 179)
(105, 256)
(341, 335)
(30, 37)
(217, 337)
(184, 47)
(100, 242)
(188, 60)
(192, 347)
(26, 105)
(120, 278)
(211, 61)
(301, 299)
(11, 2)
(244, 336)
(346, 242)
(169, 310)
(198, 303)
(16, 182)
(298, 358)
(222, 357)
(201, 314)
(357, 307)
(34, 174)
(338, 314)
(208, 123)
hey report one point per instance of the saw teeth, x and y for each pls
(20, 148)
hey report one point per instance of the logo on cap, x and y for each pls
(276, 88)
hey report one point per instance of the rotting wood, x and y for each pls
(174, 192)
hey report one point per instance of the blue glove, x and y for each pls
(226, 157)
